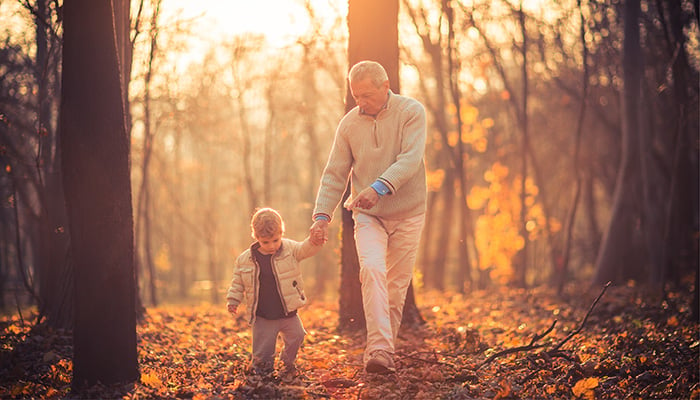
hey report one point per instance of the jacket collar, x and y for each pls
(256, 245)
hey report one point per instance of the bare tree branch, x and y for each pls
(554, 351)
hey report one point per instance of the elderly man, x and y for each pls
(379, 145)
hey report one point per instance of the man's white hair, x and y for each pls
(368, 69)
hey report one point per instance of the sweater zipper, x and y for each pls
(374, 133)
(256, 288)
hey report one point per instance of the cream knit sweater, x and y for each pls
(389, 148)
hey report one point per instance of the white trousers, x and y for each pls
(387, 252)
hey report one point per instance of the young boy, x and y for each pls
(268, 276)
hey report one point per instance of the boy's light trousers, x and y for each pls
(387, 252)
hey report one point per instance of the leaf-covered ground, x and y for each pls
(623, 348)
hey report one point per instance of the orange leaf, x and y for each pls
(152, 380)
(584, 388)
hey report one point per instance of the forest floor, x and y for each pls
(499, 344)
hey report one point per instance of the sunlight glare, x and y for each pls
(280, 21)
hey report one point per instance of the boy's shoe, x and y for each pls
(288, 373)
(380, 362)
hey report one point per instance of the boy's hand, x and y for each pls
(232, 309)
(316, 238)
(319, 232)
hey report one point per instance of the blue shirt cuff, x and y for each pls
(380, 187)
(321, 216)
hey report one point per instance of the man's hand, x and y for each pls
(318, 233)
(232, 309)
(366, 199)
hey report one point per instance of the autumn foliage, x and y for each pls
(627, 348)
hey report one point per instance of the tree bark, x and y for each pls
(522, 256)
(561, 267)
(618, 247)
(95, 165)
(53, 264)
(373, 35)
(464, 270)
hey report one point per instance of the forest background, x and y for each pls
(540, 171)
(562, 155)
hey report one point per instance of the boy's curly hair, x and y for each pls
(266, 222)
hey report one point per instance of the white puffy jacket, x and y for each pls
(285, 266)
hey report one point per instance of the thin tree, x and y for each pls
(144, 204)
(52, 265)
(434, 261)
(464, 273)
(95, 166)
(562, 267)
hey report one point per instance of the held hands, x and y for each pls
(232, 309)
(318, 233)
(366, 199)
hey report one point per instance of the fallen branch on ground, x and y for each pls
(531, 346)
(556, 350)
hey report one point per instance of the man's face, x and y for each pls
(270, 245)
(370, 98)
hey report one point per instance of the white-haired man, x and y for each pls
(379, 145)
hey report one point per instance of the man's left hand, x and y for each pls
(366, 199)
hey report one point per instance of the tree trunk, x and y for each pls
(618, 248)
(53, 264)
(682, 213)
(436, 105)
(425, 264)
(561, 267)
(144, 205)
(95, 165)
(464, 276)
(351, 316)
(373, 35)
(522, 256)
(442, 246)
(309, 108)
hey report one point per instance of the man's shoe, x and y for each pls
(260, 368)
(380, 362)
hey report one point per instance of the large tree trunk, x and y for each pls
(95, 166)
(616, 256)
(373, 35)
(351, 316)
(681, 244)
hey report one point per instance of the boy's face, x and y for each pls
(269, 245)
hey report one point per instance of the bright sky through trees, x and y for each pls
(281, 21)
